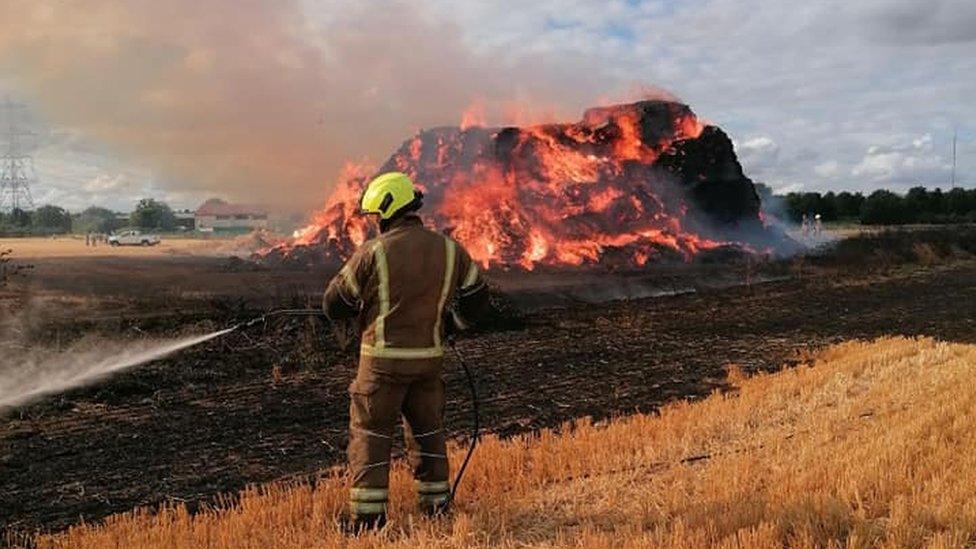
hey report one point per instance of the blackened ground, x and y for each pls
(271, 402)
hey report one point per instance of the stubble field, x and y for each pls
(866, 445)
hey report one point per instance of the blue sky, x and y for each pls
(825, 95)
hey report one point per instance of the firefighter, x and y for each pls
(400, 287)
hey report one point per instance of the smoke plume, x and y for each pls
(264, 99)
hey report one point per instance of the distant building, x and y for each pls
(185, 220)
(216, 215)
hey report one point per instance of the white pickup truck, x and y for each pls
(133, 238)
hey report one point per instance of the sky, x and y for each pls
(261, 100)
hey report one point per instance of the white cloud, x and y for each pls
(827, 169)
(74, 173)
(761, 149)
(911, 162)
(762, 145)
(788, 187)
(759, 156)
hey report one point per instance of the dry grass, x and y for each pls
(74, 246)
(872, 445)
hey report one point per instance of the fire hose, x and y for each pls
(280, 312)
(468, 376)
(475, 416)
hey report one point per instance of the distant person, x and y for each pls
(817, 225)
(399, 286)
(805, 226)
(88, 237)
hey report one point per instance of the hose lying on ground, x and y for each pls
(476, 428)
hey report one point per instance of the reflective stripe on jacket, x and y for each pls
(400, 284)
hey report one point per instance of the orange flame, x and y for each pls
(473, 116)
(549, 194)
(339, 220)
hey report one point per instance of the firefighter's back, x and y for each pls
(415, 271)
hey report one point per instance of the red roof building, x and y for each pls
(218, 215)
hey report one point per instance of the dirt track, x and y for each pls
(262, 405)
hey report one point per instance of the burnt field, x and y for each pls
(270, 402)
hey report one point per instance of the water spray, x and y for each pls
(78, 367)
(31, 377)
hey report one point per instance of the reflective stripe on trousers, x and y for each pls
(433, 493)
(368, 501)
(377, 404)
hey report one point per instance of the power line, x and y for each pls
(16, 166)
(952, 180)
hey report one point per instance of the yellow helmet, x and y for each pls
(388, 194)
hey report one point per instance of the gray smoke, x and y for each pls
(264, 100)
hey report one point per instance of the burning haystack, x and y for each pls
(627, 185)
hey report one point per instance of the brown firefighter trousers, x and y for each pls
(385, 389)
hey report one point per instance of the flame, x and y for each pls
(473, 116)
(351, 229)
(548, 194)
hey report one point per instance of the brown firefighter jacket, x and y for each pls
(401, 286)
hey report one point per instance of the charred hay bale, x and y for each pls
(708, 168)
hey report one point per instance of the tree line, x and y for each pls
(149, 215)
(881, 207)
